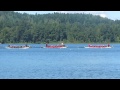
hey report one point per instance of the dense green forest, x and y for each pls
(68, 28)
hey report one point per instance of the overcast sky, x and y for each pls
(114, 15)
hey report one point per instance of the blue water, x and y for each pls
(73, 62)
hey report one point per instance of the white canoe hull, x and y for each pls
(97, 47)
(18, 48)
(54, 47)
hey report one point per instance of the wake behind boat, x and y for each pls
(18, 47)
(98, 46)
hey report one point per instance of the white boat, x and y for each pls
(56, 46)
(98, 46)
(17, 47)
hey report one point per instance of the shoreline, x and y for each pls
(63, 42)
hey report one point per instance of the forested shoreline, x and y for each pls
(57, 27)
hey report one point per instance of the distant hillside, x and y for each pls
(71, 28)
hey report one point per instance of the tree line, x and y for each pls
(56, 27)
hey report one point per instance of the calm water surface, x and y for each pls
(73, 62)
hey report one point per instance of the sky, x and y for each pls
(114, 15)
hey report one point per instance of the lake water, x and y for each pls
(73, 62)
